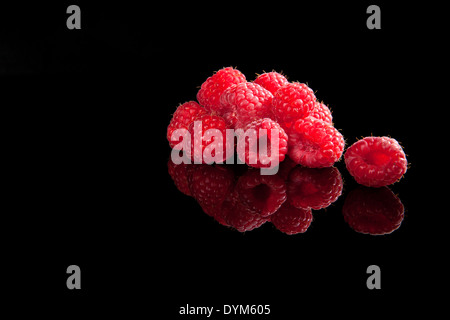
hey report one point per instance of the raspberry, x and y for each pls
(211, 90)
(271, 81)
(314, 188)
(250, 147)
(374, 211)
(216, 151)
(249, 100)
(322, 112)
(291, 220)
(314, 143)
(182, 118)
(293, 101)
(210, 185)
(262, 194)
(376, 161)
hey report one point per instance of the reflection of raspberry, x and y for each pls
(322, 112)
(180, 176)
(376, 161)
(206, 143)
(271, 81)
(222, 212)
(314, 143)
(314, 188)
(210, 186)
(291, 220)
(182, 118)
(243, 219)
(235, 214)
(263, 194)
(249, 100)
(293, 101)
(253, 154)
(375, 211)
(211, 90)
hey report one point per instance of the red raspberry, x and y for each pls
(249, 100)
(374, 211)
(216, 151)
(376, 161)
(210, 185)
(322, 112)
(314, 143)
(250, 146)
(291, 220)
(293, 101)
(314, 188)
(211, 90)
(271, 81)
(182, 118)
(262, 194)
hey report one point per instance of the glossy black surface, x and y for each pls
(85, 119)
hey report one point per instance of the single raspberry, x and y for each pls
(293, 101)
(271, 81)
(314, 143)
(291, 220)
(182, 118)
(262, 194)
(180, 175)
(208, 140)
(211, 90)
(249, 101)
(314, 188)
(376, 161)
(374, 211)
(210, 185)
(322, 112)
(254, 152)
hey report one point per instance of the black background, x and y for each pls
(86, 113)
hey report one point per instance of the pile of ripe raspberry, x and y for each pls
(291, 111)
